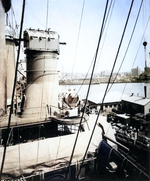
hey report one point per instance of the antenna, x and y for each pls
(144, 44)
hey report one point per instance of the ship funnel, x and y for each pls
(41, 95)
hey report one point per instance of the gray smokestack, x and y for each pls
(42, 50)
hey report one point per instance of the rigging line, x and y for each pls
(102, 45)
(47, 14)
(108, 12)
(21, 73)
(13, 14)
(94, 55)
(108, 81)
(106, 29)
(86, 75)
(100, 36)
(104, 38)
(77, 38)
(63, 77)
(128, 45)
(141, 41)
(144, 15)
(137, 51)
(42, 86)
(15, 80)
(34, 16)
(15, 29)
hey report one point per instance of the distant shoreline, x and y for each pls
(86, 83)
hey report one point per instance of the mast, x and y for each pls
(147, 83)
(144, 44)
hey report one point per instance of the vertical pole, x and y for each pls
(144, 44)
(2, 57)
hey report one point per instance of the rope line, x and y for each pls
(137, 51)
(127, 45)
(78, 38)
(90, 80)
(108, 82)
(109, 11)
(111, 4)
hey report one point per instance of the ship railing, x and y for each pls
(42, 111)
(127, 158)
(51, 110)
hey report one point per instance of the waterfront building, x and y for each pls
(135, 104)
(136, 71)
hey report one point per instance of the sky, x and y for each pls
(81, 34)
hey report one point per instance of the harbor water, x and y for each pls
(123, 88)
